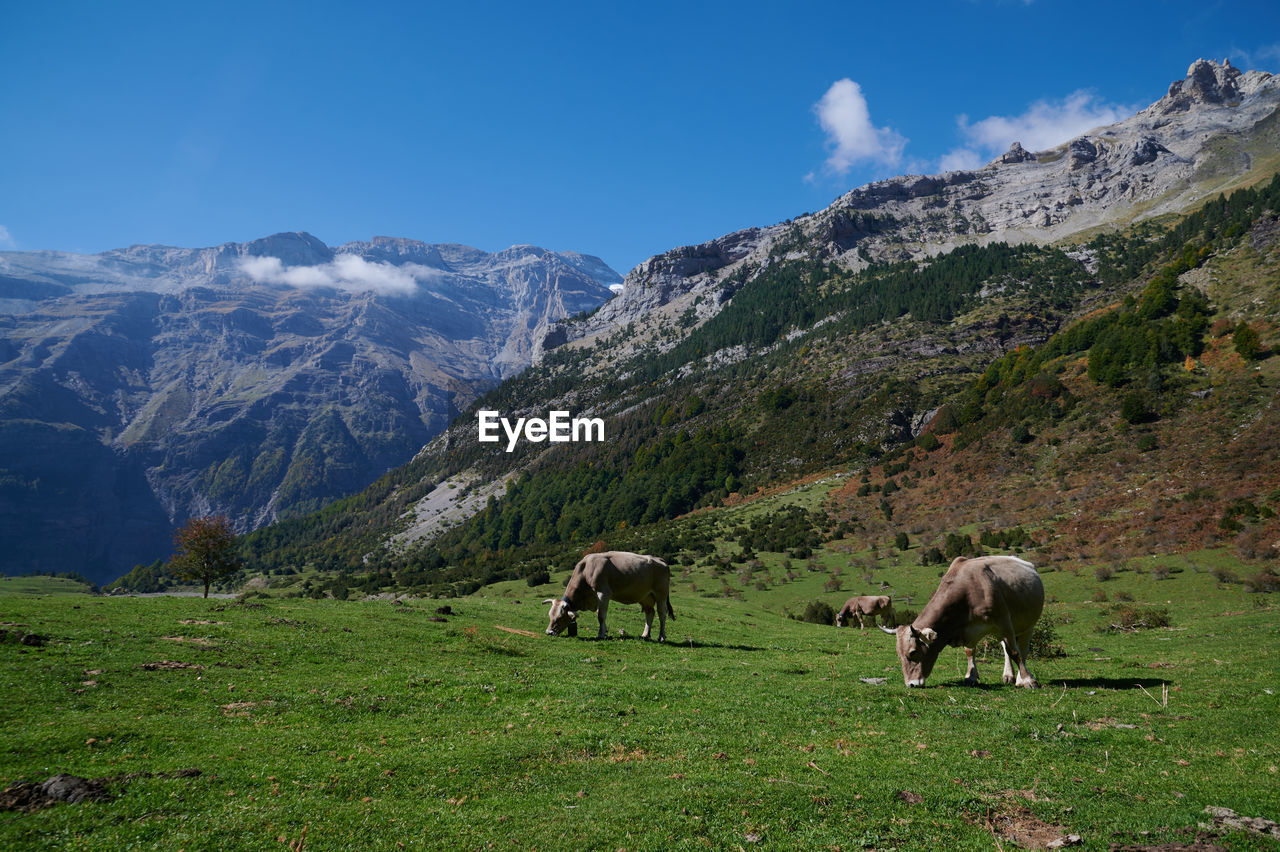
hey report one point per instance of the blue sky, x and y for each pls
(620, 130)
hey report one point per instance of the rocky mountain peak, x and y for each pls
(397, 250)
(297, 248)
(1207, 82)
(1016, 154)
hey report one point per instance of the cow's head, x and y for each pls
(841, 618)
(915, 651)
(561, 617)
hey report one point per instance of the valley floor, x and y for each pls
(341, 725)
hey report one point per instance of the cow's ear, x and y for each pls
(929, 634)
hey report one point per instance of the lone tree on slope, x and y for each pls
(205, 550)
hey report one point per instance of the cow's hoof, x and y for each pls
(1029, 683)
(971, 681)
(1008, 678)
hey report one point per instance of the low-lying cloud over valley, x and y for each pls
(345, 272)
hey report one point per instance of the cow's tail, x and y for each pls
(671, 613)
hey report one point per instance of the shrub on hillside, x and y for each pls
(1246, 342)
(1222, 575)
(1242, 512)
(1264, 581)
(932, 556)
(944, 421)
(819, 612)
(1134, 408)
(539, 577)
(959, 545)
(1254, 543)
(1125, 618)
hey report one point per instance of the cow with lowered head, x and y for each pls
(865, 607)
(614, 576)
(977, 597)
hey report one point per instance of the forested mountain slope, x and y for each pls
(960, 370)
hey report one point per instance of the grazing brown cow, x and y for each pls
(614, 576)
(864, 607)
(985, 595)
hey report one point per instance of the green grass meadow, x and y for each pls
(321, 724)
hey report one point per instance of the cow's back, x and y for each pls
(1020, 586)
(627, 577)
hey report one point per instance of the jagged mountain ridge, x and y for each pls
(1214, 130)
(144, 385)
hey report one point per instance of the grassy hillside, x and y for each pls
(41, 584)
(333, 725)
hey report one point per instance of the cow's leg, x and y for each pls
(648, 619)
(1024, 677)
(602, 608)
(662, 618)
(971, 668)
(861, 623)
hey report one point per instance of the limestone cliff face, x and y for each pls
(141, 386)
(1215, 129)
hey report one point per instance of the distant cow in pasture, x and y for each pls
(977, 597)
(866, 607)
(614, 576)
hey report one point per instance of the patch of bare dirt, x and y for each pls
(1227, 818)
(1025, 830)
(28, 796)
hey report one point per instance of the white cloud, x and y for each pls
(1045, 124)
(851, 136)
(6, 239)
(345, 272)
(961, 159)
